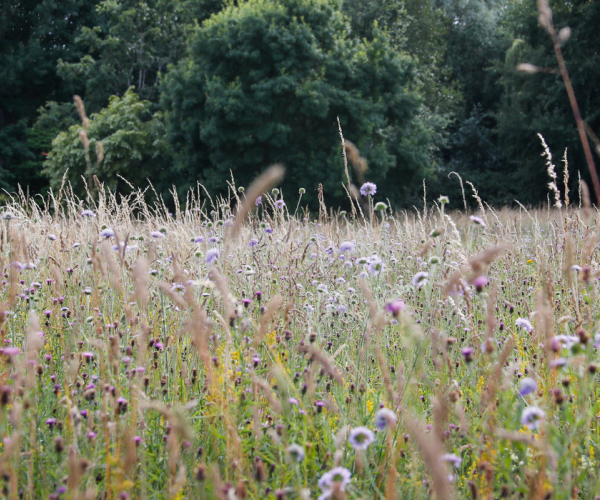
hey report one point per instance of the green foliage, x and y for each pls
(133, 141)
(265, 82)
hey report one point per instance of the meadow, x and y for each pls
(242, 349)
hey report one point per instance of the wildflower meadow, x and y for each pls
(242, 348)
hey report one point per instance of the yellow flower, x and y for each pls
(529, 261)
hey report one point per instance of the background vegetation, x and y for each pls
(182, 91)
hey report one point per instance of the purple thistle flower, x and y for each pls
(480, 282)
(51, 422)
(532, 417)
(395, 307)
(467, 353)
(361, 438)
(368, 188)
(527, 386)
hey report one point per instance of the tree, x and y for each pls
(264, 83)
(133, 142)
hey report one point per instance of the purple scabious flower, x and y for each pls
(107, 233)
(88, 213)
(361, 438)
(279, 204)
(385, 418)
(339, 476)
(157, 234)
(268, 230)
(347, 246)
(452, 459)
(295, 452)
(477, 220)
(368, 188)
(420, 279)
(532, 417)
(527, 386)
(52, 237)
(253, 242)
(212, 255)
(375, 265)
(525, 323)
(258, 201)
(199, 239)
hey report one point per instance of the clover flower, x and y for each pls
(368, 188)
(361, 438)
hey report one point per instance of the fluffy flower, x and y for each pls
(525, 323)
(212, 255)
(477, 220)
(279, 204)
(88, 213)
(339, 476)
(157, 234)
(527, 386)
(361, 438)
(107, 233)
(532, 416)
(420, 279)
(375, 265)
(368, 188)
(385, 418)
(347, 246)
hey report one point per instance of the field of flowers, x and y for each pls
(226, 353)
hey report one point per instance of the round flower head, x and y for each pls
(525, 323)
(347, 246)
(52, 237)
(88, 213)
(375, 265)
(385, 418)
(395, 307)
(527, 386)
(253, 242)
(368, 188)
(157, 234)
(212, 255)
(279, 204)
(477, 220)
(107, 233)
(452, 459)
(420, 279)
(258, 201)
(532, 416)
(338, 475)
(361, 438)
(295, 453)
(480, 282)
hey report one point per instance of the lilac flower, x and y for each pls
(478, 220)
(88, 213)
(212, 255)
(52, 237)
(107, 233)
(452, 459)
(467, 353)
(253, 242)
(258, 201)
(420, 279)
(157, 234)
(295, 453)
(527, 386)
(279, 204)
(525, 323)
(361, 438)
(375, 265)
(480, 282)
(199, 239)
(368, 188)
(268, 230)
(51, 422)
(347, 246)
(532, 416)
(338, 476)
(385, 418)
(558, 363)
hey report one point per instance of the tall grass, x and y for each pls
(156, 355)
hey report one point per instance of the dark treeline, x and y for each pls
(187, 91)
